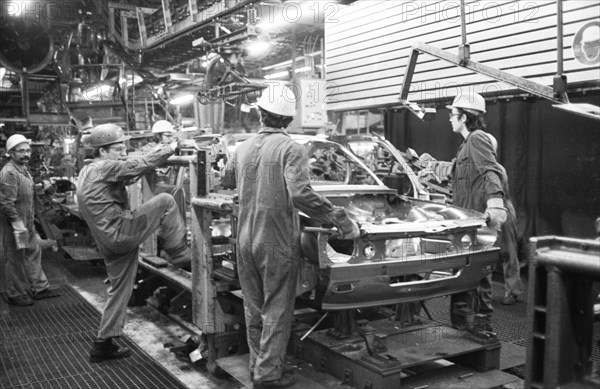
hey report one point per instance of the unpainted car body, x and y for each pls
(410, 249)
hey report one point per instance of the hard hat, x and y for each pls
(106, 134)
(278, 98)
(591, 34)
(162, 126)
(14, 140)
(469, 101)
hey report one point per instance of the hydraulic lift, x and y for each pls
(373, 348)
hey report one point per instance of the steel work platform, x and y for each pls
(46, 346)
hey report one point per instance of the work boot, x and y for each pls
(509, 299)
(180, 256)
(50, 291)
(283, 382)
(105, 349)
(22, 301)
(286, 369)
(483, 323)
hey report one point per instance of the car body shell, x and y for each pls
(410, 249)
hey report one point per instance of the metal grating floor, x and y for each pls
(47, 345)
(509, 321)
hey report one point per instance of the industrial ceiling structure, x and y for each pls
(61, 57)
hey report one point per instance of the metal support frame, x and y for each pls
(383, 354)
(462, 61)
(193, 10)
(197, 20)
(124, 30)
(560, 312)
(166, 6)
(557, 93)
(141, 26)
(235, 36)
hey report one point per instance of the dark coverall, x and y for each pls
(271, 171)
(476, 179)
(23, 268)
(118, 230)
(509, 244)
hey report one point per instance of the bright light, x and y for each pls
(285, 73)
(15, 8)
(183, 99)
(303, 69)
(258, 48)
(276, 75)
(97, 93)
(136, 80)
(289, 62)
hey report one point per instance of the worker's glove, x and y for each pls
(187, 144)
(352, 233)
(495, 213)
(18, 225)
(174, 145)
(21, 234)
(347, 228)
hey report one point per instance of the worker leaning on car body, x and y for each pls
(477, 184)
(270, 171)
(118, 230)
(20, 253)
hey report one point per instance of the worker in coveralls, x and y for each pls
(513, 287)
(119, 230)
(20, 253)
(271, 173)
(477, 185)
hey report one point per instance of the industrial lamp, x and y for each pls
(183, 99)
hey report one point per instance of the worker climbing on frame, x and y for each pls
(119, 230)
(271, 173)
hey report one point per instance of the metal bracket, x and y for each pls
(464, 61)
(376, 342)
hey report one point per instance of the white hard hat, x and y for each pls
(162, 126)
(14, 140)
(278, 98)
(469, 101)
(591, 34)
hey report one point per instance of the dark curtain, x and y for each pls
(552, 158)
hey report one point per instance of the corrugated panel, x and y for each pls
(369, 42)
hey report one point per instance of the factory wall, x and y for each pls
(368, 45)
